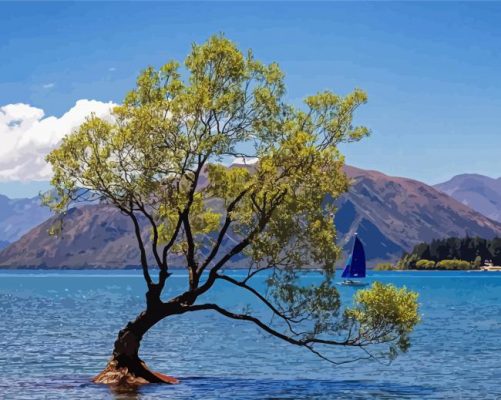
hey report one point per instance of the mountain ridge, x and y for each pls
(404, 211)
(480, 192)
(18, 216)
(390, 214)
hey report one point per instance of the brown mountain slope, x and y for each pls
(93, 237)
(390, 215)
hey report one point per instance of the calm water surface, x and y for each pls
(57, 330)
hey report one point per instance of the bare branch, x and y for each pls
(288, 320)
(144, 261)
(306, 342)
(154, 242)
(222, 232)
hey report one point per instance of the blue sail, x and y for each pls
(355, 267)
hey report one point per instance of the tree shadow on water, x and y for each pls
(212, 388)
(276, 389)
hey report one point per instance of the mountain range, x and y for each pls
(18, 216)
(479, 192)
(390, 215)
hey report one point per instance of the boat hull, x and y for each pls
(352, 283)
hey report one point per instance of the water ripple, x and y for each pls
(57, 330)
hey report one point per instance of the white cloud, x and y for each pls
(245, 160)
(112, 69)
(49, 85)
(26, 137)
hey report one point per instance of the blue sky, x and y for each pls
(431, 70)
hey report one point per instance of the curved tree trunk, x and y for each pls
(125, 368)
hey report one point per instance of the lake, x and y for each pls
(57, 330)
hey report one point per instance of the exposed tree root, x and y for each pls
(130, 374)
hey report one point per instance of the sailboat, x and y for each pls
(355, 267)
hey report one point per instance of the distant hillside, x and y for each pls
(467, 249)
(93, 237)
(393, 214)
(390, 214)
(18, 216)
(479, 192)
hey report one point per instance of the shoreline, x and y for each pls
(127, 269)
(437, 269)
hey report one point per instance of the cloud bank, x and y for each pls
(27, 136)
(245, 160)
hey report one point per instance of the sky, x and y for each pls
(431, 71)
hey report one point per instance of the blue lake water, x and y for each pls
(57, 330)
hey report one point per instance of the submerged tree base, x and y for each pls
(134, 375)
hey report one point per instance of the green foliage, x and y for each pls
(384, 313)
(494, 248)
(425, 264)
(158, 160)
(320, 304)
(468, 249)
(452, 253)
(169, 131)
(410, 262)
(454, 264)
(385, 267)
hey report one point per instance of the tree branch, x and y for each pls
(307, 342)
(222, 232)
(144, 261)
(276, 311)
(154, 243)
(238, 248)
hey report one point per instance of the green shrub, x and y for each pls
(425, 264)
(384, 267)
(453, 264)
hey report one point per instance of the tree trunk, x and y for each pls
(125, 368)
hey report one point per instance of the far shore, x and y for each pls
(174, 268)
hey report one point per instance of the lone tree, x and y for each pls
(160, 160)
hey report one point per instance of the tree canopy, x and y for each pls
(161, 159)
(474, 250)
